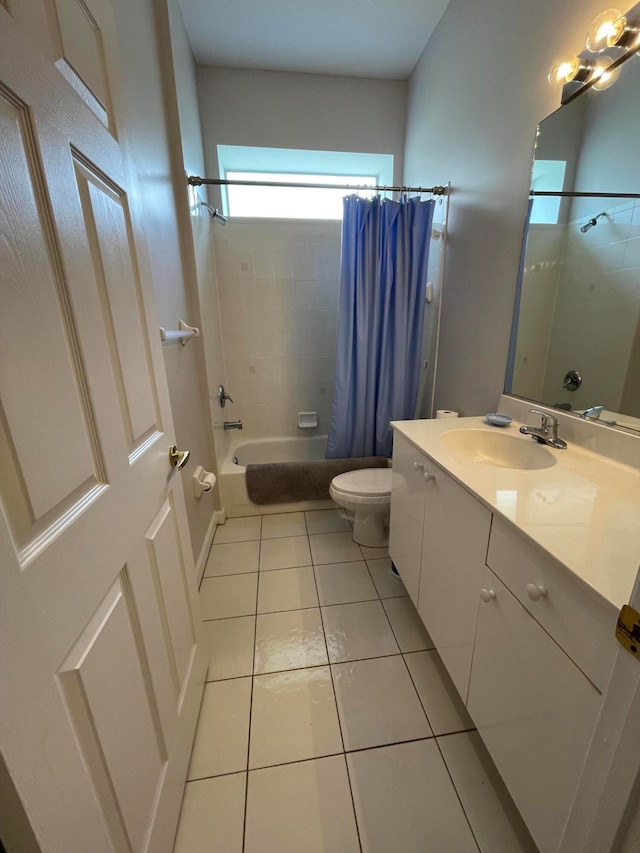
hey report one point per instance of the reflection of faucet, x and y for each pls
(594, 412)
(547, 432)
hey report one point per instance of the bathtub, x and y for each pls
(233, 490)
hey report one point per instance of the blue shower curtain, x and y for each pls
(385, 253)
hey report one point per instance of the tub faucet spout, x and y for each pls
(232, 424)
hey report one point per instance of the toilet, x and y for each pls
(364, 496)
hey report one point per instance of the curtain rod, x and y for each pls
(561, 194)
(195, 181)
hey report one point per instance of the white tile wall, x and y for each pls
(278, 285)
(597, 309)
(581, 305)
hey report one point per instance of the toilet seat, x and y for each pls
(365, 484)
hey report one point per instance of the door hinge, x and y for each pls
(628, 630)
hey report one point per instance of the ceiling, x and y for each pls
(359, 38)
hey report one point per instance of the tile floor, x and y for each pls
(328, 723)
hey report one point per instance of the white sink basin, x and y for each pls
(498, 449)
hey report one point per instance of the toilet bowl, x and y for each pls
(364, 496)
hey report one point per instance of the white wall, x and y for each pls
(274, 109)
(475, 98)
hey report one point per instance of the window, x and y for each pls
(286, 165)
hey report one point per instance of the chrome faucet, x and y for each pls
(232, 424)
(547, 432)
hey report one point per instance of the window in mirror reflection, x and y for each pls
(547, 176)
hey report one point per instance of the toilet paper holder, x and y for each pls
(203, 481)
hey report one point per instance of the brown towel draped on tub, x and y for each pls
(287, 482)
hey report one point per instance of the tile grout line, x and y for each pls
(455, 788)
(253, 666)
(333, 688)
(339, 604)
(435, 738)
(328, 755)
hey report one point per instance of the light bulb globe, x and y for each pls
(603, 78)
(563, 70)
(602, 29)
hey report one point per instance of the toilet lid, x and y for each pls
(364, 481)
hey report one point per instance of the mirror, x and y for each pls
(576, 336)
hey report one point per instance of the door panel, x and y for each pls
(36, 311)
(172, 586)
(112, 253)
(113, 710)
(80, 55)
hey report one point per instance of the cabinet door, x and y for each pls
(407, 512)
(454, 549)
(534, 709)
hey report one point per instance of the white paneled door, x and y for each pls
(101, 672)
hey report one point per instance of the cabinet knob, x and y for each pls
(487, 595)
(428, 476)
(536, 591)
(418, 466)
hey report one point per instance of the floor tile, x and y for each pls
(285, 553)
(230, 645)
(405, 801)
(357, 631)
(444, 707)
(289, 640)
(387, 584)
(301, 807)
(212, 816)
(326, 521)
(223, 729)
(293, 717)
(374, 553)
(283, 524)
(238, 529)
(333, 548)
(286, 589)
(410, 632)
(378, 703)
(341, 583)
(234, 558)
(494, 819)
(233, 595)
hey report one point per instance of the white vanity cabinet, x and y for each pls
(534, 709)
(529, 646)
(407, 512)
(454, 548)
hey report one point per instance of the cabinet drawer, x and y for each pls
(580, 623)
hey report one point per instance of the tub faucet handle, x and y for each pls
(223, 396)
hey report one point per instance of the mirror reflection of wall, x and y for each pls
(580, 288)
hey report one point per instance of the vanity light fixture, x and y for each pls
(612, 29)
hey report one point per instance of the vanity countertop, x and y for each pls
(584, 510)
